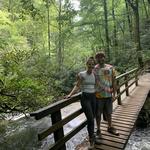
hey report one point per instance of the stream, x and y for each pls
(22, 135)
(139, 140)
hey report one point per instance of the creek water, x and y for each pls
(22, 135)
(140, 138)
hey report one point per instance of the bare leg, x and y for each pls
(111, 129)
(109, 120)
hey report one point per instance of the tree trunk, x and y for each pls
(106, 30)
(146, 13)
(129, 19)
(137, 35)
(136, 30)
(48, 29)
(148, 7)
(10, 9)
(60, 36)
(115, 43)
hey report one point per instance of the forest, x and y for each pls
(44, 43)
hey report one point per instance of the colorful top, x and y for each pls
(87, 82)
(104, 77)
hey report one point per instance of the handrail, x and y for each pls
(58, 122)
(54, 107)
(57, 125)
(126, 73)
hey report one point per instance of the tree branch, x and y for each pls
(9, 95)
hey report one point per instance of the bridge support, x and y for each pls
(126, 85)
(58, 134)
(118, 93)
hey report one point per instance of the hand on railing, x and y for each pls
(114, 94)
(67, 96)
(113, 97)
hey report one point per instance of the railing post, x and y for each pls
(118, 93)
(58, 134)
(136, 77)
(126, 85)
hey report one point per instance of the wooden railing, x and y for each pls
(126, 79)
(124, 82)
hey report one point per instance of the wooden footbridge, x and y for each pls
(132, 91)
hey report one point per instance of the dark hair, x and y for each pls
(99, 55)
(91, 58)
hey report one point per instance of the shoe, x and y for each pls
(113, 131)
(98, 134)
(92, 143)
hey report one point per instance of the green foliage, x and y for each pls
(30, 78)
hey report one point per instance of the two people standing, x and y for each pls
(97, 85)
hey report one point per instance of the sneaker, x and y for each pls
(113, 131)
(91, 145)
(98, 134)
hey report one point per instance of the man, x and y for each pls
(105, 75)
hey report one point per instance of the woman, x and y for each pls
(86, 82)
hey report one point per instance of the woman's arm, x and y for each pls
(76, 87)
